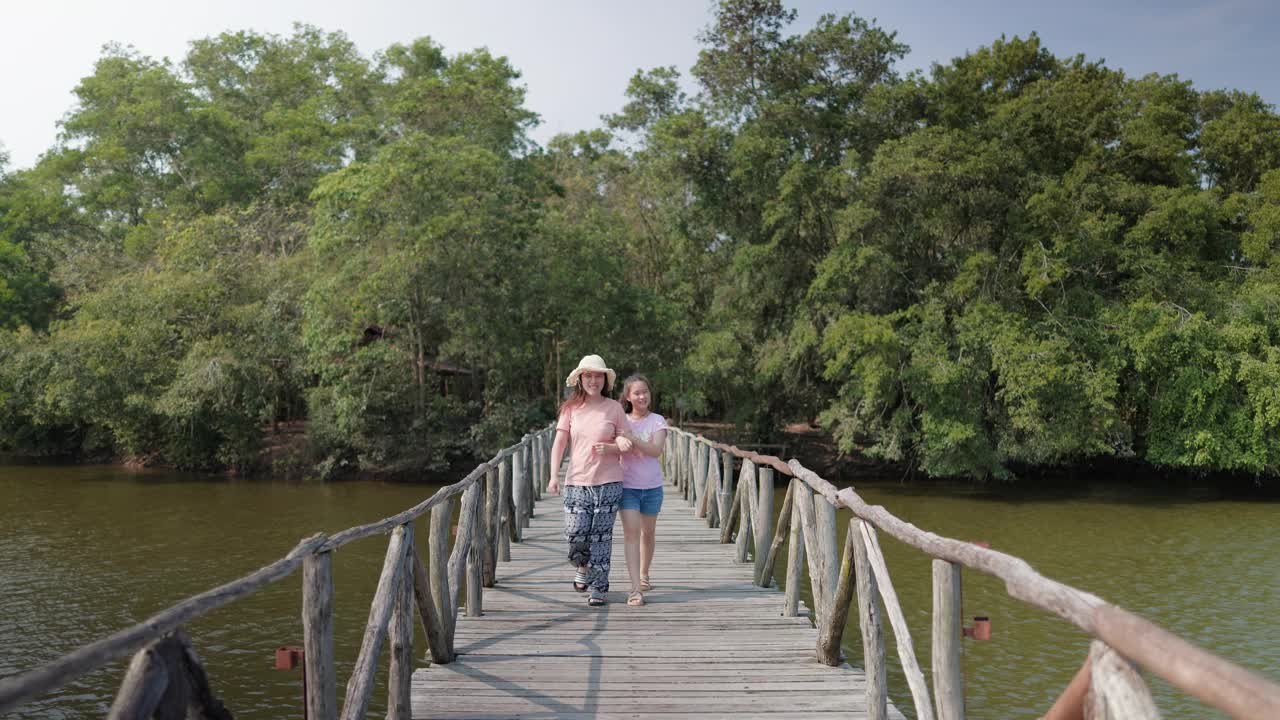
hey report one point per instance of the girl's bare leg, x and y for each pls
(631, 529)
(648, 524)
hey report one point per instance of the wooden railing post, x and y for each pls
(814, 554)
(360, 686)
(764, 576)
(731, 519)
(531, 470)
(747, 511)
(762, 523)
(795, 552)
(165, 679)
(441, 591)
(901, 634)
(948, 683)
(317, 636)
(521, 488)
(831, 632)
(487, 529)
(873, 650)
(825, 516)
(143, 686)
(1116, 690)
(702, 458)
(520, 477)
(717, 484)
(506, 507)
(693, 451)
(474, 551)
(432, 621)
(400, 673)
(726, 487)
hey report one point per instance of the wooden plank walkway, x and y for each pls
(706, 644)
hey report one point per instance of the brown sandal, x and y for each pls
(635, 599)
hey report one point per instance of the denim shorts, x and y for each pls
(647, 501)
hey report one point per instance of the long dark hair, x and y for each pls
(626, 388)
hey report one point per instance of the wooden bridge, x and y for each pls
(507, 637)
(709, 642)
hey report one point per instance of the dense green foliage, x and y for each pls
(1015, 259)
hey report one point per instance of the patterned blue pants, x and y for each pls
(589, 512)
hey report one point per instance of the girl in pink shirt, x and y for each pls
(594, 428)
(641, 482)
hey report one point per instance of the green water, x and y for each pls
(86, 551)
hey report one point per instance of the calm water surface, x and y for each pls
(86, 551)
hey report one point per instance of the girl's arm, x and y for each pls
(557, 454)
(653, 446)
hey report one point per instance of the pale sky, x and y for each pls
(576, 56)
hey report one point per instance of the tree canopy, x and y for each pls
(1016, 259)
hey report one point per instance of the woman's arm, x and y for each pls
(557, 454)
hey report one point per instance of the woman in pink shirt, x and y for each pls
(641, 482)
(593, 426)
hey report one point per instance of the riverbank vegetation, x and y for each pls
(1016, 259)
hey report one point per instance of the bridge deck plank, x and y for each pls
(706, 643)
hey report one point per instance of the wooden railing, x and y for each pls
(165, 676)
(703, 472)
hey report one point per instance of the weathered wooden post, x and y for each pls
(506, 503)
(521, 487)
(700, 452)
(520, 473)
(692, 452)
(746, 533)
(725, 495)
(1116, 690)
(731, 519)
(814, 553)
(710, 481)
(432, 622)
(873, 649)
(487, 528)
(474, 551)
(763, 522)
(764, 577)
(400, 673)
(710, 500)
(901, 633)
(825, 515)
(795, 552)
(317, 636)
(360, 686)
(531, 480)
(832, 630)
(948, 683)
(441, 592)
(144, 684)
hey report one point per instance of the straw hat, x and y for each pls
(590, 363)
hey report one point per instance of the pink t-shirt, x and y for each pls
(587, 425)
(640, 471)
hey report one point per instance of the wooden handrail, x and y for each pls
(1217, 682)
(18, 689)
